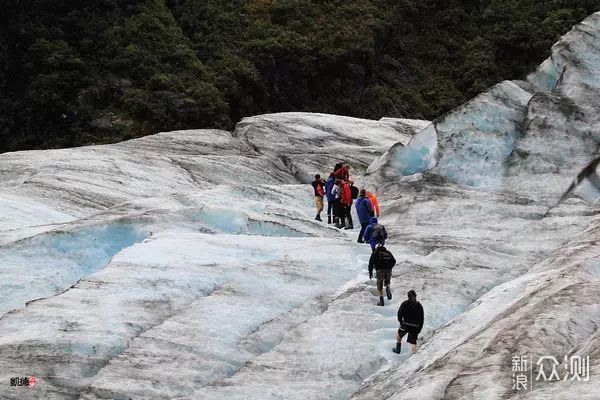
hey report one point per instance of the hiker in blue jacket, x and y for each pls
(375, 234)
(330, 196)
(364, 209)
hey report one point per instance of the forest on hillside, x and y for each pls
(78, 72)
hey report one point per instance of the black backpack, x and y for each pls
(386, 260)
(354, 192)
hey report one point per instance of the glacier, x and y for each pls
(188, 264)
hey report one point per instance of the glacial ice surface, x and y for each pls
(188, 265)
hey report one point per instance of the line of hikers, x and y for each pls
(340, 193)
(410, 313)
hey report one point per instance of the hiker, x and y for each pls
(364, 209)
(346, 201)
(375, 234)
(354, 190)
(330, 197)
(317, 185)
(383, 261)
(337, 170)
(339, 216)
(374, 202)
(411, 317)
(342, 172)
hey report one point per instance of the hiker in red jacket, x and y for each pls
(343, 173)
(346, 200)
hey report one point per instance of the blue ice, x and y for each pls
(237, 222)
(52, 262)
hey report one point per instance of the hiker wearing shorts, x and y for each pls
(318, 185)
(411, 317)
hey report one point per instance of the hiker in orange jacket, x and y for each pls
(373, 199)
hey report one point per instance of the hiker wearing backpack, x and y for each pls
(339, 215)
(364, 209)
(411, 317)
(375, 234)
(382, 261)
(342, 172)
(317, 185)
(330, 197)
(354, 195)
(346, 201)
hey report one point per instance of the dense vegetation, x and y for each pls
(94, 71)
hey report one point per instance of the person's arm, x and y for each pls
(371, 265)
(421, 317)
(393, 260)
(376, 206)
(367, 235)
(400, 313)
(384, 233)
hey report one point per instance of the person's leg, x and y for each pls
(362, 232)
(350, 224)
(399, 336)
(342, 212)
(336, 213)
(387, 281)
(412, 339)
(329, 209)
(319, 203)
(380, 279)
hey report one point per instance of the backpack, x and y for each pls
(320, 190)
(386, 260)
(378, 233)
(354, 191)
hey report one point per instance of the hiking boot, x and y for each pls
(360, 241)
(318, 218)
(397, 348)
(380, 303)
(388, 292)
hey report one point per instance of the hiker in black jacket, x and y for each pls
(383, 261)
(319, 187)
(410, 316)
